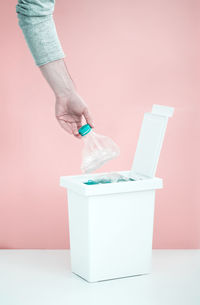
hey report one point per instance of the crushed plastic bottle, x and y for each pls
(108, 178)
(98, 149)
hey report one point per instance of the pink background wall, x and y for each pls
(124, 55)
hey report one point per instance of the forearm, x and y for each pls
(36, 21)
(58, 77)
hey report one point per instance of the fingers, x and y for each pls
(79, 125)
(88, 117)
(73, 124)
(65, 126)
(78, 136)
(75, 130)
(71, 128)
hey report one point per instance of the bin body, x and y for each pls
(111, 225)
(111, 235)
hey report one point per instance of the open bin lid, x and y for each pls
(150, 141)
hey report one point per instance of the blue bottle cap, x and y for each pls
(84, 129)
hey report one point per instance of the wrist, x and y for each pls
(65, 95)
(58, 78)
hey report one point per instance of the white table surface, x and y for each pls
(43, 277)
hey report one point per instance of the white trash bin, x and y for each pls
(111, 225)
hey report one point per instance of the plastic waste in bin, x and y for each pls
(111, 224)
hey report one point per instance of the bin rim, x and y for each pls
(76, 184)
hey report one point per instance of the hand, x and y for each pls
(70, 107)
(69, 111)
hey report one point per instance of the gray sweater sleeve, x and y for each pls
(36, 21)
